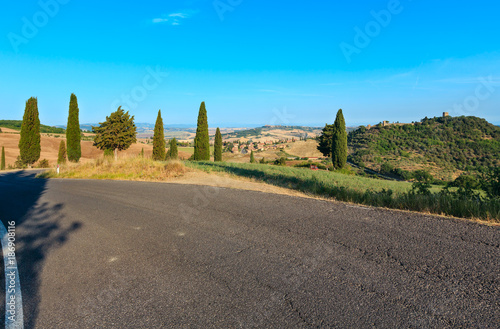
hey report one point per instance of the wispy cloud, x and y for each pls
(174, 18)
(290, 93)
(468, 80)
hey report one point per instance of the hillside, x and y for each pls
(444, 146)
(273, 133)
(16, 125)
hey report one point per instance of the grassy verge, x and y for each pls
(361, 190)
(133, 168)
(190, 150)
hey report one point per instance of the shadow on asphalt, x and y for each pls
(38, 231)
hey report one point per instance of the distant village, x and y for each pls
(247, 147)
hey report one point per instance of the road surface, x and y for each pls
(113, 254)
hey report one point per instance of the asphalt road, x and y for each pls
(112, 254)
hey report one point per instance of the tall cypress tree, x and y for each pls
(173, 153)
(73, 138)
(61, 156)
(252, 158)
(159, 139)
(218, 146)
(339, 142)
(202, 141)
(2, 163)
(29, 144)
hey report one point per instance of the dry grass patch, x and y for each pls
(128, 168)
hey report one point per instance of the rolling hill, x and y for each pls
(16, 125)
(445, 146)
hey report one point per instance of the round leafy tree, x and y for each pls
(117, 133)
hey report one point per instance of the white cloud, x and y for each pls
(160, 20)
(174, 18)
(180, 15)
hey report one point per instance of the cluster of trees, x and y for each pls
(457, 143)
(30, 139)
(332, 142)
(118, 132)
(115, 134)
(467, 187)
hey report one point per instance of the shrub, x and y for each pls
(386, 168)
(19, 164)
(491, 183)
(44, 163)
(422, 182)
(280, 162)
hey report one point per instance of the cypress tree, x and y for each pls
(202, 141)
(2, 164)
(159, 139)
(339, 142)
(73, 138)
(325, 141)
(61, 157)
(173, 153)
(218, 146)
(252, 159)
(29, 144)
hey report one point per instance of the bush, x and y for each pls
(19, 164)
(466, 181)
(403, 174)
(43, 163)
(491, 183)
(280, 162)
(386, 168)
(422, 182)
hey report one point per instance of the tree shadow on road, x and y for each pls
(38, 232)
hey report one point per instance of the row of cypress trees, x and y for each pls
(29, 143)
(201, 140)
(159, 143)
(333, 141)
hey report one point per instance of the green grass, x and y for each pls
(190, 150)
(298, 175)
(361, 190)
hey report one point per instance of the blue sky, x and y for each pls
(252, 62)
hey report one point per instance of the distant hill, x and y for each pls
(16, 125)
(141, 127)
(444, 146)
(274, 132)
